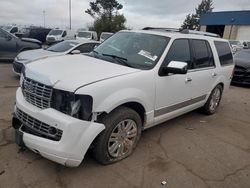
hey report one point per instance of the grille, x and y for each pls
(51, 39)
(38, 128)
(36, 93)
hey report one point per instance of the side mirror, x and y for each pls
(175, 67)
(75, 52)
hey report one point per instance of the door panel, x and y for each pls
(7, 46)
(173, 90)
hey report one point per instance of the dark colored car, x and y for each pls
(11, 45)
(38, 33)
(242, 67)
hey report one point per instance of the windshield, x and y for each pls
(84, 34)
(7, 28)
(104, 36)
(62, 46)
(55, 32)
(139, 50)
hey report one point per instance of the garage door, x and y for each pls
(243, 33)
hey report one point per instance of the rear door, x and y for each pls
(203, 73)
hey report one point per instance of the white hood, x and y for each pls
(31, 55)
(71, 72)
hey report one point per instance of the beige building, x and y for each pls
(232, 25)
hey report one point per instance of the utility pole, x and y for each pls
(43, 18)
(69, 14)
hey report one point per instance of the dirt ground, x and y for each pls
(192, 151)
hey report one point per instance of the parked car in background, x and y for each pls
(58, 35)
(10, 45)
(61, 48)
(90, 35)
(236, 45)
(242, 67)
(105, 35)
(38, 33)
(11, 29)
(131, 82)
(246, 44)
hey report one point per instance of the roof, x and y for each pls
(174, 34)
(226, 18)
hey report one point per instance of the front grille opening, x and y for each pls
(38, 128)
(36, 93)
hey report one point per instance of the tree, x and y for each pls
(106, 15)
(192, 21)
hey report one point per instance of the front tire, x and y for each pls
(120, 137)
(213, 101)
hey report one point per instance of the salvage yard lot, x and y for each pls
(192, 151)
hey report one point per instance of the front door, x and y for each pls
(173, 91)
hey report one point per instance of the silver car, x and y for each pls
(62, 48)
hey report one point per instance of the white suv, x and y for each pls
(133, 81)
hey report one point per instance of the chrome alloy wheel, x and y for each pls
(214, 102)
(122, 138)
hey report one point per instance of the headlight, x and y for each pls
(78, 106)
(21, 80)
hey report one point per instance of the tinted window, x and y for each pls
(64, 34)
(85, 48)
(14, 30)
(224, 52)
(179, 51)
(202, 54)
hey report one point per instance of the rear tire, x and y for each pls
(213, 101)
(120, 137)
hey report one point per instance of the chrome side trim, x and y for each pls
(174, 107)
(201, 69)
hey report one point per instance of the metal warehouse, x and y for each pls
(233, 25)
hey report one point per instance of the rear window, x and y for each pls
(224, 52)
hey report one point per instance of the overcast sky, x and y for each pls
(139, 13)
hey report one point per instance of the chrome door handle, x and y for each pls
(188, 80)
(214, 74)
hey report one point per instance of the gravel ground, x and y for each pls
(191, 151)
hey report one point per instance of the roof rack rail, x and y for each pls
(162, 29)
(184, 31)
(187, 31)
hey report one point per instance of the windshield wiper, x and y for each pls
(122, 60)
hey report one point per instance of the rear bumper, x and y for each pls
(76, 138)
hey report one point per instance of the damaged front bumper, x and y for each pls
(54, 135)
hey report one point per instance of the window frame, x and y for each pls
(190, 51)
(210, 55)
(223, 65)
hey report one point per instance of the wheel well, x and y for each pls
(222, 85)
(136, 107)
(133, 105)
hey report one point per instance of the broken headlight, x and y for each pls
(78, 106)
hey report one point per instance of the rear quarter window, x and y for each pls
(224, 53)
